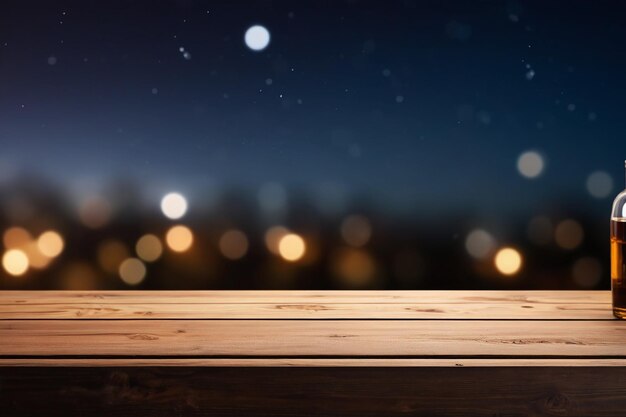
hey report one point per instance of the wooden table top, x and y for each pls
(310, 328)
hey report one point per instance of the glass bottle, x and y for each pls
(618, 254)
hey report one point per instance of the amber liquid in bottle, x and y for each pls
(618, 266)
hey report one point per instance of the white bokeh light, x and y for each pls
(257, 38)
(530, 164)
(479, 243)
(599, 184)
(174, 205)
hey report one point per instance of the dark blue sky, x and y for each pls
(424, 103)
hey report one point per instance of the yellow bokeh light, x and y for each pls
(36, 259)
(508, 261)
(149, 248)
(291, 247)
(16, 237)
(179, 238)
(273, 236)
(233, 244)
(356, 268)
(15, 262)
(50, 244)
(132, 271)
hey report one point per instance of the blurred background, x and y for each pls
(310, 145)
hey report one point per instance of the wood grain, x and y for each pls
(313, 338)
(531, 305)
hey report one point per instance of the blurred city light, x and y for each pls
(16, 237)
(273, 235)
(291, 247)
(508, 261)
(94, 211)
(356, 230)
(587, 272)
(530, 164)
(111, 253)
(569, 234)
(174, 205)
(355, 268)
(233, 244)
(132, 271)
(179, 238)
(479, 243)
(15, 262)
(149, 248)
(599, 184)
(50, 243)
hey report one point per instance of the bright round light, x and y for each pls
(530, 164)
(132, 271)
(508, 261)
(479, 243)
(179, 238)
(257, 38)
(291, 247)
(149, 248)
(174, 206)
(599, 184)
(50, 244)
(273, 236)
(15, 262)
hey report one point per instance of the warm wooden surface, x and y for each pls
(546, 305)
(457, 353)
(354, 326)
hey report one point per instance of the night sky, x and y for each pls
(416, 104)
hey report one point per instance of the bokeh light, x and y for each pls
(149, 248)
(111, 253)
(174, 205)
(291, 247)
(479, 243)
(508, 261)
(569, 234)
(356, 230)
(587, 272)
(36, 259)
(257, 38)
(179, 238)
(132, 271)
(94, 211)
(599, 184)
(15, 262)
(16, 237)
(273, 235)
(355, 268)
(50, 243)
(233, 244)
(530, 164)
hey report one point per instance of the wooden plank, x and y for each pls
(290, 310)
(310, 362)
(282, 338)
(593, 305)
(242, 297)
(328, 392)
